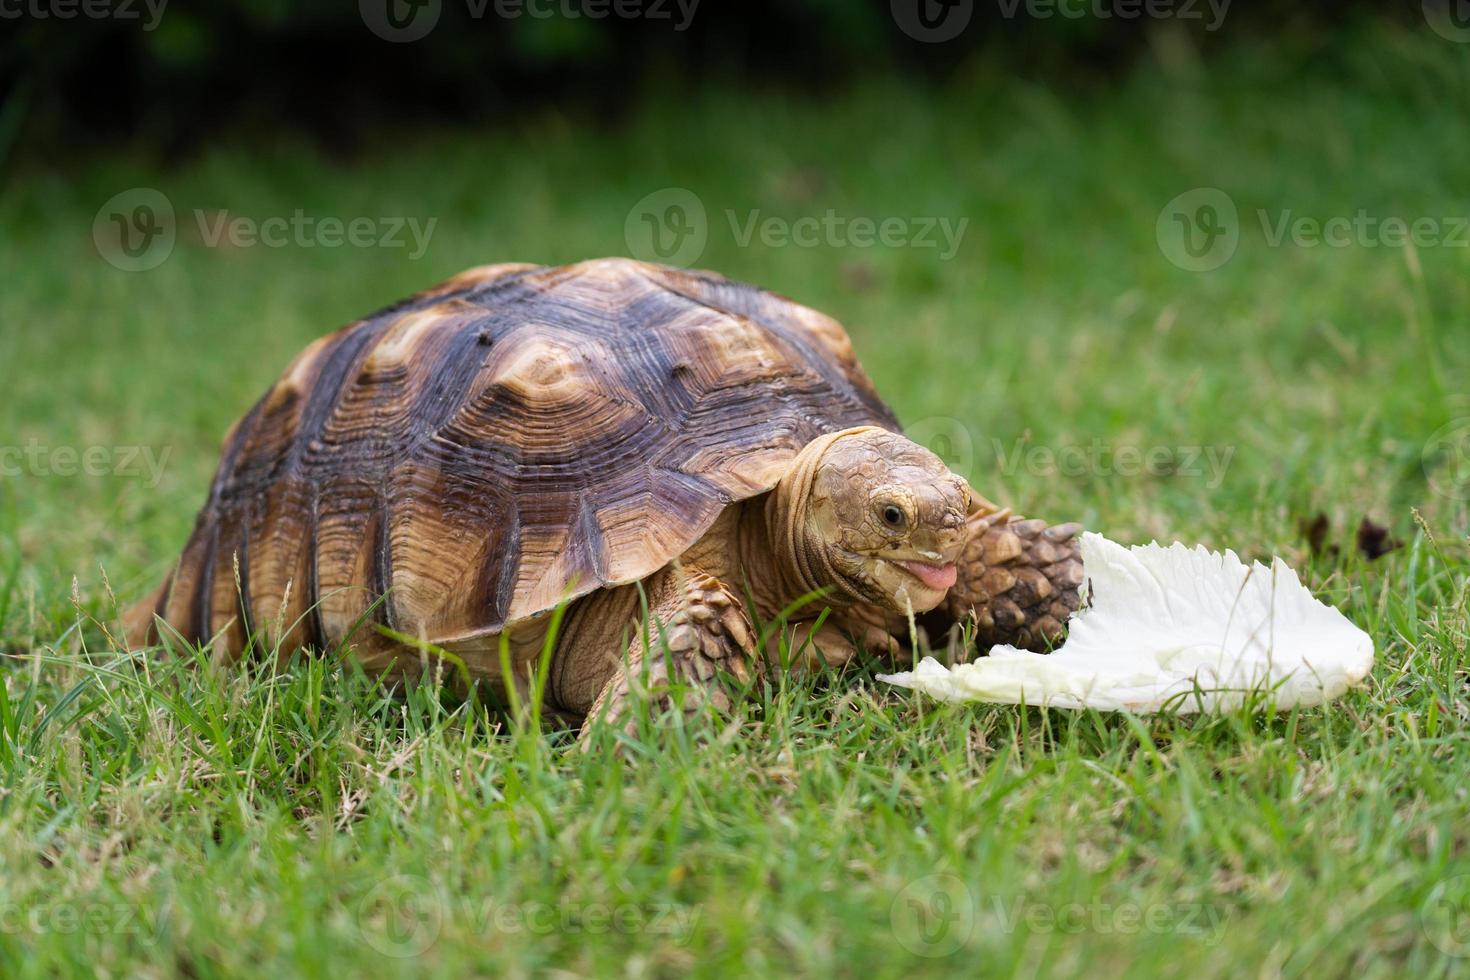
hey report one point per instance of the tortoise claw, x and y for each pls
(1019, 581)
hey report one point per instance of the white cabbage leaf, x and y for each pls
(1172, 629)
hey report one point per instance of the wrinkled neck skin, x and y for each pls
(782, 564)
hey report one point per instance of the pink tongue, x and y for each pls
(935, 576)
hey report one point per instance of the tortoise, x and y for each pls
(655, 451)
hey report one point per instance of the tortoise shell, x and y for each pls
(514, 437)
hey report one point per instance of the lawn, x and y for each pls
(157, 818)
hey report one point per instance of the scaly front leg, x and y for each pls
(809, 647)
(696, 632)
(1017, 579)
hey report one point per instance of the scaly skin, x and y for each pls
(825, 529)
(1018, 582)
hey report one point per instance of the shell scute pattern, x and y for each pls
(509, 438)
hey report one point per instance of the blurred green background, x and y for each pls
(1132, 323)
(1032, 291)
(171, 77)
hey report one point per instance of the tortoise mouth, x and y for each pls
(933, 575)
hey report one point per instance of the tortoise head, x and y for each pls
(876, 518)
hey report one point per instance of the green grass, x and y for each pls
(178, 820)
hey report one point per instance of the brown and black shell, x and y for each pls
(513, 437)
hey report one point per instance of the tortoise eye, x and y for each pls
(892, 516)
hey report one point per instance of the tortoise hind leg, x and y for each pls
(696, 632)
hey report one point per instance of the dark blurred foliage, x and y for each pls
(211, 67)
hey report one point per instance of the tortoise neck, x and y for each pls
(802, 566)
